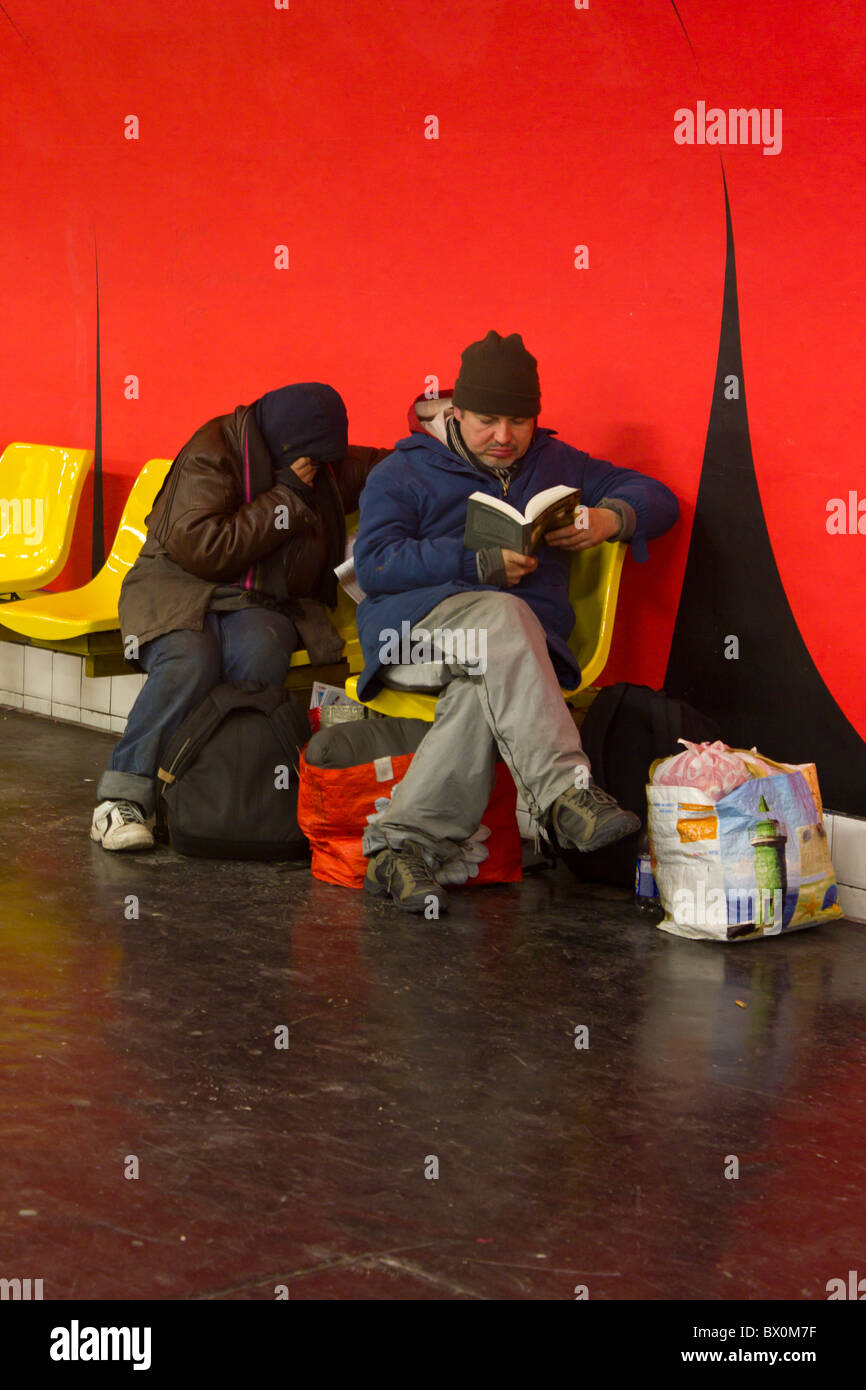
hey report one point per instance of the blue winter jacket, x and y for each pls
(409, 552)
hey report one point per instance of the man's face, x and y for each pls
(496, 439)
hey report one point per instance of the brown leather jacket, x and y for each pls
(202, 533)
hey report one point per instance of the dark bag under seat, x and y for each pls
(228, 780)
(626, 728)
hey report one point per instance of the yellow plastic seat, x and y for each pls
(593, 589)
(40, 489)
(93, 607)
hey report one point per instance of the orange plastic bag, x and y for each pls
(334, 803)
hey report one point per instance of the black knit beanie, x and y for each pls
(498, 377)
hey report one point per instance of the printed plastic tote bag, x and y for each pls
(754, 862)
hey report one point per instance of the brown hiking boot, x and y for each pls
(403, 876)
(587, 818)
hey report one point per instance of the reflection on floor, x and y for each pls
(152, 1038)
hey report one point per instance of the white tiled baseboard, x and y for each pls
(847, 837)
(54, 683)
(12, 668)
(37, 672)
(36, 705)
(853, 902)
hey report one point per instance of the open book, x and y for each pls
(492, 522)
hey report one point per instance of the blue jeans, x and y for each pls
(252, 644)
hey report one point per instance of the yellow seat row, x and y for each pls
(93, 607)
(71, 620)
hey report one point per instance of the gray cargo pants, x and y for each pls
(513, 707)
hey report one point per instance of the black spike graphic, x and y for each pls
(98, 552)
(685, 32)
(773, 696)
(15, 26)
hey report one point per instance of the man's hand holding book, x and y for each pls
(591, 526)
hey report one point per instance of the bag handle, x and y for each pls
(206, 719)
(244, 694)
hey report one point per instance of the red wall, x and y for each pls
(306, 126)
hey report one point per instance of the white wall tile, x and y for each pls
(72, 713)
(95, 719)
(124, 693)
(11, 667)
(849, 851)
(12, 697)
(95, 692)
(35, 705)
(853, 902)
(66, 679)
(828, 826)
(37, 672)
(118, 724)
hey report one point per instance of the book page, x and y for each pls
(537, 504)
(500, 505)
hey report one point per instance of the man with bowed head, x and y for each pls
(236, 573)
(414, 569)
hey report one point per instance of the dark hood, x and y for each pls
(307, 419)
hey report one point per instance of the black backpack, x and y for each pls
(228, 785)
(626, 728)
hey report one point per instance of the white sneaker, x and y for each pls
(120, 825)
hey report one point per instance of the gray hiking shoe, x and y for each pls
(588, 818)
(403, 876)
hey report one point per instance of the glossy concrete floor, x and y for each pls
(153, 1039)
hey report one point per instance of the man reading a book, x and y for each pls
(423, 562)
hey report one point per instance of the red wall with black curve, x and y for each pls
(307, 125)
